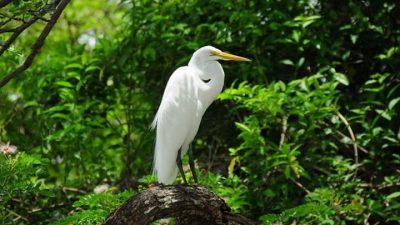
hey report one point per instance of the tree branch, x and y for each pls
(352, 136)
(188, 204)
(17, 31)
(283, 133)
(5, 2)
(25, 24)
(37, 45)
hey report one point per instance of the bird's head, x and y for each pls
(210, 53)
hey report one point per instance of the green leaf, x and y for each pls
(92, 68)
(393, 195)
(385, 114)
(74, 66)
(341, 78)
(64, 84)
(393, 103)
(287, 62)
(300, 62)
(149, 53)
(353, 38)
(243, 127)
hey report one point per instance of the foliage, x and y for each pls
(316, 113)
(230, 188)
(305, 113)
(302, 110)
(93, 208)
(21, 177)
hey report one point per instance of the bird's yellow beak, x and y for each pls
(227, 56)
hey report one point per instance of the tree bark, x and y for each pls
(188, 204)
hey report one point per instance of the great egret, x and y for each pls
(189, 92)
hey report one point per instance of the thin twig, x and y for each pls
(363, 149)
(74, 190)
(16, 33)
(18, 216)
(216, 147)
(352, 136)
(283, 133)
(37, 45)
(379, 186)
(366, 217)
(25, 25)
(37, 14)
(358, 146)
(300, 185)
(49, 207)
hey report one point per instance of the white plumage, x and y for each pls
(189, 92)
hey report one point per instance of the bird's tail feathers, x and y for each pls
(164, 165)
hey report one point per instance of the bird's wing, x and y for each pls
(174, 119)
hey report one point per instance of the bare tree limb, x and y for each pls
(188, 204)
(37, 45)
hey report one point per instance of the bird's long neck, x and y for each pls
(211, 77)
(197, 61)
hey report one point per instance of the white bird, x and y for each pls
(189, 92)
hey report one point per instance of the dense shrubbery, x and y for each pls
(307, 132)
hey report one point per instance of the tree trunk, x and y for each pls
(188, 204)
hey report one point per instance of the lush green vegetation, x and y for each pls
(309, 131)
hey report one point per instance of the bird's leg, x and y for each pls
(191, 164)
(179, 164)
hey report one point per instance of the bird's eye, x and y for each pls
(206, 81)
